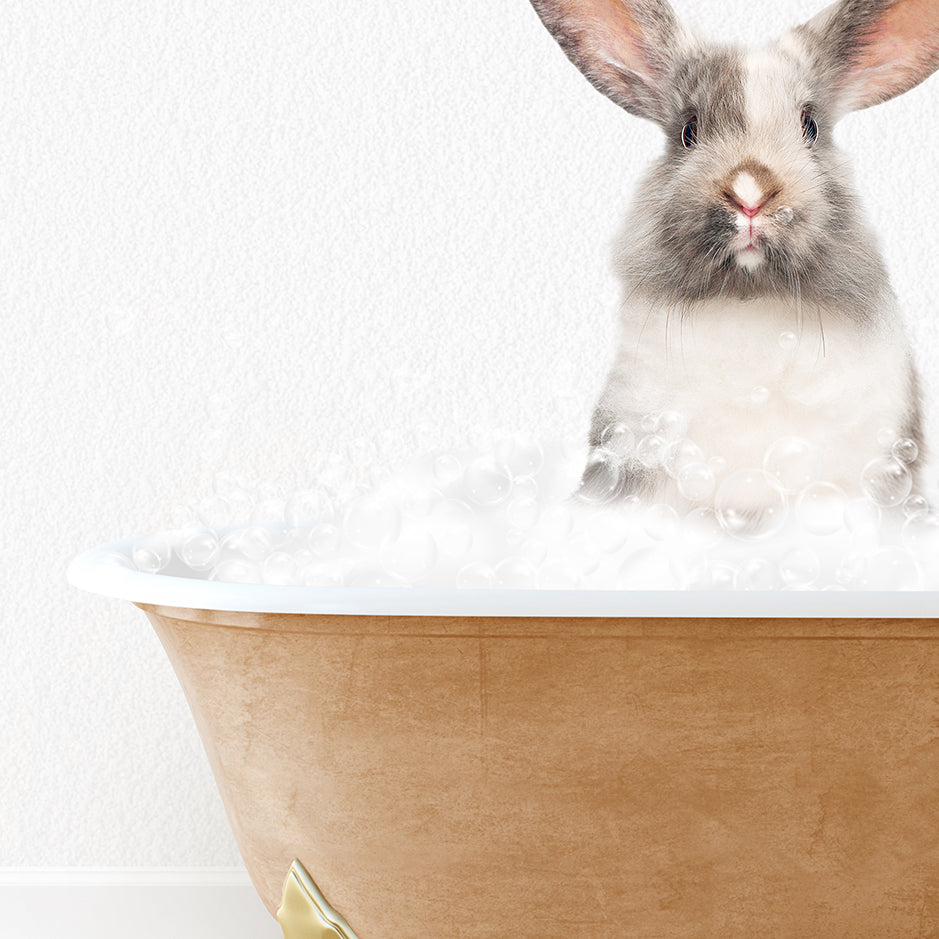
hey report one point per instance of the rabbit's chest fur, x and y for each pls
(745, 373)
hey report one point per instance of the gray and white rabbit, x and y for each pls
(757, 307)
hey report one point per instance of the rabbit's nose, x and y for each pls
(749, 187)
(750, 210)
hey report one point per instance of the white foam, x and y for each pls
(509, 515)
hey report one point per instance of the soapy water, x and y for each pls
(512, 515)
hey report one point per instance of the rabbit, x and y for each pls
(757, 311)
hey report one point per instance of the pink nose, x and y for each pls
(749, 210)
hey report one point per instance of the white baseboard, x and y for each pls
(146, 903)
(125, 876)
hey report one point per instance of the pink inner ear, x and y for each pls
(614, 34)
(900, 53)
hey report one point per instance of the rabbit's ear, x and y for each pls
(625, 47)
(877, 48)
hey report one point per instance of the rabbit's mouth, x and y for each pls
(751, 255)
(748, 244)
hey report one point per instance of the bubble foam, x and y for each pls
(512, 515)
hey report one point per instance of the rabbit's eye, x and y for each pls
(689, 133)
(809, 127)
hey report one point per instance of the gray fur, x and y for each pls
(686, 255)
(631, 90)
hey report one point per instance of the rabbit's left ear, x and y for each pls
(626, 48)
(877, 49)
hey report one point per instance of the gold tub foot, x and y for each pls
(304, 912)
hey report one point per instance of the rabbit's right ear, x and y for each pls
(875, 49)
(625, 47)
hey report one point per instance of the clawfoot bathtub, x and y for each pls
(416, 764)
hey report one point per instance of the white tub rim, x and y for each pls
(95, 570)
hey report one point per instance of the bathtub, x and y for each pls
(419, 764)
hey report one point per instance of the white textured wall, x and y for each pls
(237, 234)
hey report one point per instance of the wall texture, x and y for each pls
(243, 235)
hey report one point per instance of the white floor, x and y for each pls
(167, 905)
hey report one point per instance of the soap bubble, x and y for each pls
(372, 520)
(788, 341)
(372, 579)
(269, 511)
(784, 215)
(905, 450)
(660, 522)
(412, 556)
(607, 530)
(618, 439)
(476, 576)
(521, 455)
(517, 573)
(652, 568)
(852, 571)
(228, 485)
(514, 537)
(749, 505)
(696, 481)
(915, 507)
(799, 567)
(253, 543)
(117, 559)
(308, 505)
(679, 454)
(887, 436)
(758, 573)
(522, 512)
(453, 528)
(361, 452)
(556, 522)
(236, 571)
(886, 481)
(892, 568)
(821, 508)
(199, 549)
(533, 549)
(488, 482)
(701, 529)
(579, 553)
(718, 464)
(601, 479)
(279, 567)
(240, 504)
(417, 498)
(671, 425)
(525, 487)
(921, 533)
(183, 516)
(324, 539)
(792, 462)
(759, 395)
(651, 450)
(447, 469)
(214, 512)
(318, 574)
(558, 576)
(722, 576)
(152, 553)
(649, 422)
(862, 517)
(420, 525)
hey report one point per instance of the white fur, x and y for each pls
(707, 367)
(747, 190)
